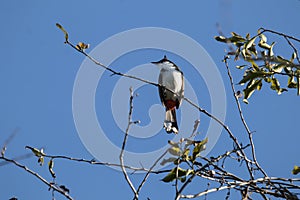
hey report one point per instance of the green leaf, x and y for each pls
(188, 142)
(82, 46)
(50, 164)
(288, 70)
(282, 60)
(275, 85)
(41, 160)
(199, 147)
(64, 188)
(168, 160)
(237, 54)
(271, 52)
(236, 39)
(182, 179)
(281, 90)
(250, 75)
(251, 87)
(278, 68)
(254, 66)
(185, 154)
(241, 66)
(181, 172)
(35, 151)
(50, 167)
(263, 42)
(171, 176)
(248, 36)
(264, 45)
(196, 125)
(245, 53)
(294, 55)
(174, 144)
(175, 151)
(245, 101)
(296, 170)
(268, 79)
(252, 50)
(221, 39)
(64, 31)
(263, 38)
(235, 34)
(291, 82)
(298, 82)
(250, 43)
(259, 86)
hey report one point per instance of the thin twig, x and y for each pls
(53, 186)
(278, 33)
(234, 184)
(235, 140)
(110, 69)
(17, 158)
(123, 146)
(176, 179)
(94, 162)
(149, 171)
(242, 117)
(189, 180)
(293, 47)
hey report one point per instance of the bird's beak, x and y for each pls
(155, 63)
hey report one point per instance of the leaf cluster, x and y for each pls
(262, 65)
(186, 152)
(41, 158)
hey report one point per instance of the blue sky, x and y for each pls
(38, 73)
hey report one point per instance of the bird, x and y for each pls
(171, 91)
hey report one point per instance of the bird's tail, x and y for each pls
(170, 123)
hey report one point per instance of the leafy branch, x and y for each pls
(187, 160)
(186, 163)
(262, 65)
(39, 153)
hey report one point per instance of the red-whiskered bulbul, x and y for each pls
(170, 77)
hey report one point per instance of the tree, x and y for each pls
(261, 66)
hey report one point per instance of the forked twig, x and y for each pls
(124, 143)
(52, 186)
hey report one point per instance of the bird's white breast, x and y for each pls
(172, 79)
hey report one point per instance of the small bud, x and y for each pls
(238, 94)
(136, 122)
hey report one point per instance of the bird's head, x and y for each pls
(165, 63)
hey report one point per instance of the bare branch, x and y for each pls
(149, 171)
(235, 140)
(236, 184)
(50, 185)
(293, 47)
(17, 158)
(278, 33)
(94, 162)
(242, 117)
(124, 143)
